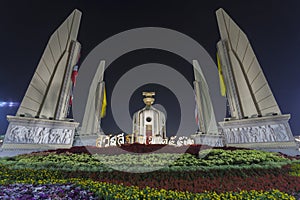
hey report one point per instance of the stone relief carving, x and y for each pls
(265, 133)
(38, 135)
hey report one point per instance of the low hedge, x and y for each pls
(147, 162)
(237, 157)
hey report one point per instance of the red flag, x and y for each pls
(73, 78)
(71, 100)
(74, 74)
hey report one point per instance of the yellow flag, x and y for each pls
(104, 104)
(222, 83)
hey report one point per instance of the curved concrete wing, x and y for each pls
(253, 91)
(48, 93)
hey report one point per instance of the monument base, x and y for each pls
(265, 145)
(40, 134)
(85, 140)
(270, 132)
(208, 139)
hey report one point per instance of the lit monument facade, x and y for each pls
(41, 120)
(90, 127)
(149, 124)
(208, 132)
(256, 120)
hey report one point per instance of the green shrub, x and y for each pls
(237, 157)
(147, 162)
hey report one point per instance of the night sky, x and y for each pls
(271, 26)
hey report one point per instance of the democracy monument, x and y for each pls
(255, 120)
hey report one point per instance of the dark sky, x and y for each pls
(272, 28)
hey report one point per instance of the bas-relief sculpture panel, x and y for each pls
(253, 134)
(38, 135)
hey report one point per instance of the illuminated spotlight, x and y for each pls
(8, 104)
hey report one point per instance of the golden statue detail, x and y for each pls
(148, 100)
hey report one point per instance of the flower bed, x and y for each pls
(295, 169)
(47, 191)
(72, 189)
(147, 162)
(221, 180)
(240, 174)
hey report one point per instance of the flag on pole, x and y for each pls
(74, 75)
(71, 100)
(73, 79)
(104, 104)
(222, 83)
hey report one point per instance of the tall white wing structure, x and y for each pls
(91, 120)
(256, 120)
(208, 133)
(41, 121)
(48, 93)
(206, 121)
(250, 93)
